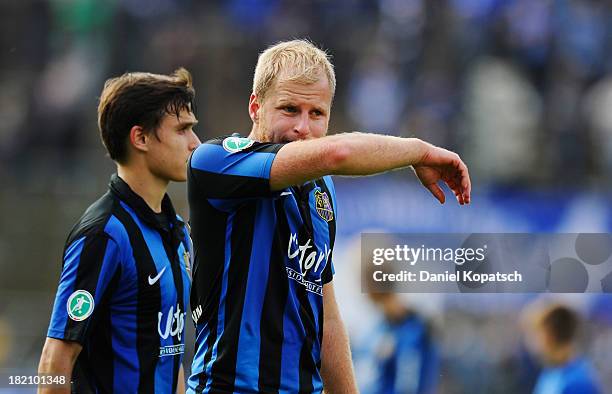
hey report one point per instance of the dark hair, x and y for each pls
(140, 99)
(561, 323)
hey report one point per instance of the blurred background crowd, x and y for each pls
(522, 89)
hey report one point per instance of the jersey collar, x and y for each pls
(123, 191)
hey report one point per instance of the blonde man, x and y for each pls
(263, 215)
(118, 322)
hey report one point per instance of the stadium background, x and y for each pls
(520, 88)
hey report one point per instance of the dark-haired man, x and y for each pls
(118, 320)
(552, 334)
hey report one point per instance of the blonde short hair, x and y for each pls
(296, 61)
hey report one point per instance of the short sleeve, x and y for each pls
(329, 271)
(231, 170)
(90, 262)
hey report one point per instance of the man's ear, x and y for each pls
(254, 107)
(139, 139)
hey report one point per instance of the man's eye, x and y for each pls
(290, 108)
(317, 113)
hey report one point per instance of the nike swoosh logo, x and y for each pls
(153, 280)
(285, 194)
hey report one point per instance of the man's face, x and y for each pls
(168, 153)
(292, 111)
(539, 342)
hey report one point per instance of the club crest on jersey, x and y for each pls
(80, 305)
(236, 144)
(187, 260)
(323, 206)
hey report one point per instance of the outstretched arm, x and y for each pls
(367, 154)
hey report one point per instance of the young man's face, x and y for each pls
(292, 111)
(539, 342)
(168, 153)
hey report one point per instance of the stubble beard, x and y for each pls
(260, 134)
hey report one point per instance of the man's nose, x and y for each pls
(195, 141)
(302, 125)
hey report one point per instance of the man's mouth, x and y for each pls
(286, 140)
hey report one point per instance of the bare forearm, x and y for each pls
(58, 358)
(343, 154)
(367, 154)
(336, 365)
(180, 387)
(55, 366)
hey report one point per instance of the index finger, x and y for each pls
(466, 183)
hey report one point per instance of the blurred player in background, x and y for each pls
(552, 335)
(401, 353)
(263, 215)
(118, 320)
(398, 354)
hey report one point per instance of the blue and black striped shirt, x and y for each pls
(261, 260)
(123, 294)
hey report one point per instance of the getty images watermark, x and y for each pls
(423, 255)
(486, 263)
